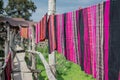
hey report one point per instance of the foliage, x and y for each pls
(20, 8)
(1, 6)
(65, 70)
(62, 65)
(40, 66)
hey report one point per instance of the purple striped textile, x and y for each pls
(69, 38)
(86, 42)
(59, 33)
(74, 15)
(78, 39)
(82, 36)
(93, 27)
(52, 33)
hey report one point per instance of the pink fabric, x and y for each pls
(86, 41)
(69, 38)
(93, 24)
(75, 41)
(59, 46)
(37, 33)
(119, 76)
(90, 56)
(79, 48)
(106, 38)
(62, 33)
(8, 69)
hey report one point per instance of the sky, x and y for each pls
(62, 6)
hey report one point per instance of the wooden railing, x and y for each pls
(46, 65)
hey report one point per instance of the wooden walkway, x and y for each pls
(20, 70)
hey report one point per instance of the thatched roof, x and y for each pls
(15, 22)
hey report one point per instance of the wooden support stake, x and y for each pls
(33, 48)
(52, 10)
(7, 40)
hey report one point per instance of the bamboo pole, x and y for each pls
(52, 59)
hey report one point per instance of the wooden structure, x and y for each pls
(10, 38)
(9, 31)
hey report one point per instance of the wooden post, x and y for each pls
(12, 45)
(33, 49)
(7, 40)
(30, 40)
(51, 7)
(52, 10)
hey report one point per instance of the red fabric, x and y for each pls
(43, 25)
(8, 67)
(51, 28)
(24, 32)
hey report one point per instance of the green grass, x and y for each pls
(65, 70)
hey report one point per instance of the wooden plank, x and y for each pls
(46, 65)
(21, 71)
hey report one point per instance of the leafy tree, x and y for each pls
(1, 6)
(20, 8)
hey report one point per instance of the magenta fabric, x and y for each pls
(93, 28)
(75, 38)
(86, 51)
(106, 38)
(69, 38)
(119, 76)
(78, 33)
(62, 34)
(8, 68)
(37, 33)
(90, 36)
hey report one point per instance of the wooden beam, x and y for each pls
(46, 65)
